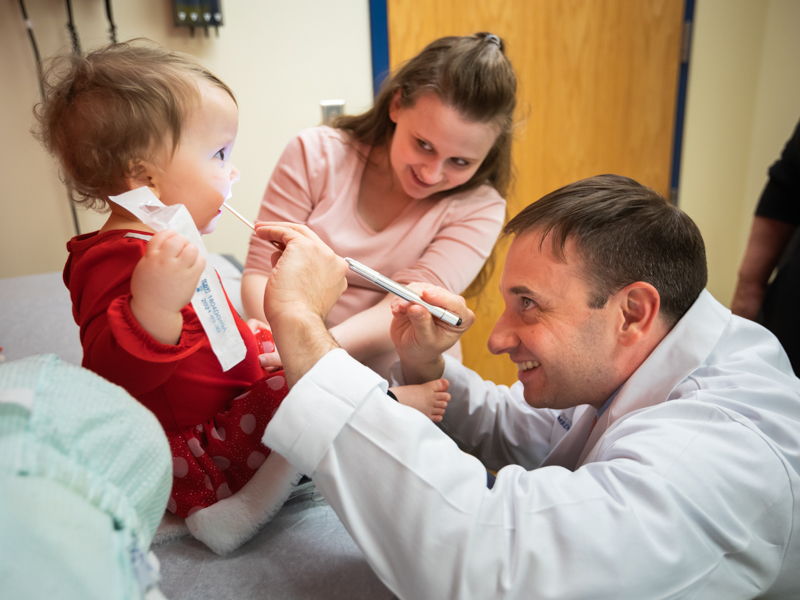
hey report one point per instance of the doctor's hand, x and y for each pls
(307, 276)
(420, 338)
(306, 281)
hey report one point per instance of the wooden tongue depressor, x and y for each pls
(278, 245)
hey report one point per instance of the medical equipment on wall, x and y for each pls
(330, 110)
(197, 13)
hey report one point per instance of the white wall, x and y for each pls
(280, 58)
(743, 104)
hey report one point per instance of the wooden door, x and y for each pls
(597, 94)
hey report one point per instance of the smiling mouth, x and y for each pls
(418, 180)
(528, 365)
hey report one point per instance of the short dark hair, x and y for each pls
(623, 232)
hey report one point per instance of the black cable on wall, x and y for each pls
(32, 38)
(112, 27)
(40, 75)
(73, 32)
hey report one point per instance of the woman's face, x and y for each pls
(434, 148)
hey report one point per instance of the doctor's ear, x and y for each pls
(639, 304)
(141, 173)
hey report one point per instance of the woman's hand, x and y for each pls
(253, 286)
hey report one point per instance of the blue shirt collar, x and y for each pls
(607, 403)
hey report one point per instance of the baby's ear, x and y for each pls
(140, 174)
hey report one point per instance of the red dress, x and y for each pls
(214, 420)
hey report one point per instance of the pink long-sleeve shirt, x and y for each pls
(316, 182)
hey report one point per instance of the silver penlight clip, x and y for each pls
(402, 291)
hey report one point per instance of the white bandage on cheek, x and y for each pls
(209, 300)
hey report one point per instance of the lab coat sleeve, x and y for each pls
(654, 517)
(493, 422)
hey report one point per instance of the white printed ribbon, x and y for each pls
(209, 300)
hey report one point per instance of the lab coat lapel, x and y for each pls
(679, 354)
(566, 452)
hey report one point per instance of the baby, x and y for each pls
(135, 115)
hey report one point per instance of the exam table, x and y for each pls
(303, 553)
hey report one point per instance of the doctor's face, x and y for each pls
(565, 351)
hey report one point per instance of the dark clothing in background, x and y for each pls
(780, 200)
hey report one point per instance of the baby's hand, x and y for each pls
(163, 283)
(255, 325)
(268, 354)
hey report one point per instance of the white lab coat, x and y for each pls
(688, 486)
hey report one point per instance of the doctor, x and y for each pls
(650, 448)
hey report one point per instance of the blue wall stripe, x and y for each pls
(680, 105)
(379, 33)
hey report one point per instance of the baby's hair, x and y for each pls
(105, 112)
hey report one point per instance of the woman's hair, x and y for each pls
(105, 112)
(470, 74)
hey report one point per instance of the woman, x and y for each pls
(412, 188)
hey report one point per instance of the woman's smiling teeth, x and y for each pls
(419, 179)
(528, 365)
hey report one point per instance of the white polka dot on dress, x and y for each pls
(180, 467)
(172, 506)
(256, 459)
(223, 492)
(248, 424)
(218, 433)
(195, 447)
(276, 383)
(207, 482)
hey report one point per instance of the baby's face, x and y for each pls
(200, 174)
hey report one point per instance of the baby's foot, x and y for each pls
(428, 398)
